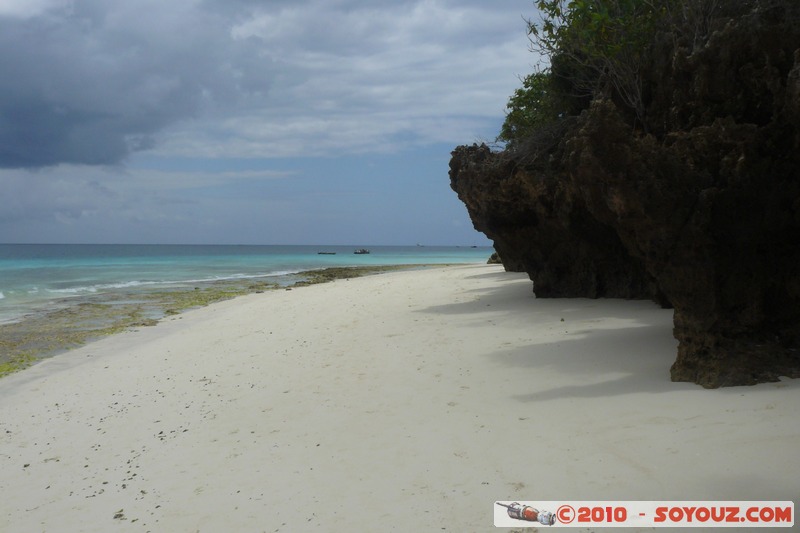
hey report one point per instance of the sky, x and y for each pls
(248, 121)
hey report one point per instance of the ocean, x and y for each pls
(37, 278)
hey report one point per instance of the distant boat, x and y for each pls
(326, 253)
(361, 251)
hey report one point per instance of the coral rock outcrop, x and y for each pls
(700, 212)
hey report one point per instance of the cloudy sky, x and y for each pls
(248, 121)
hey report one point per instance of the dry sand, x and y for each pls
(408, 401)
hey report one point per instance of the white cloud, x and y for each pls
(30, 8)
(88, 83)
(200, 78)
(72, 203)
(357, 80)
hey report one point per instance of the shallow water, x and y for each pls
(35, 278)
(56, 297)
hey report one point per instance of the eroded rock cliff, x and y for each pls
(701, 211)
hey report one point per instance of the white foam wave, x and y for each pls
(2, 295)
(232, 277)
(73, 290)
(106, 287)
(138, 283)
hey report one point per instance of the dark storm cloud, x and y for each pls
(250, 120)
(90, 84)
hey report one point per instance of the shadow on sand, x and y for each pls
(601, 347)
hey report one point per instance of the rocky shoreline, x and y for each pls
(71, 325)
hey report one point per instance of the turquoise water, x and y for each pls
(35, 277)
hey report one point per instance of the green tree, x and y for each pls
(530, 108)
(599, 46)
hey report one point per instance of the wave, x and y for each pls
(100, 287)
(2, 295)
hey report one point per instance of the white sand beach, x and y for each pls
(406, 401)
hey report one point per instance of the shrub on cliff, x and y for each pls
(607, 49)
(599, 47)
(592, 46)
(530, 108)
